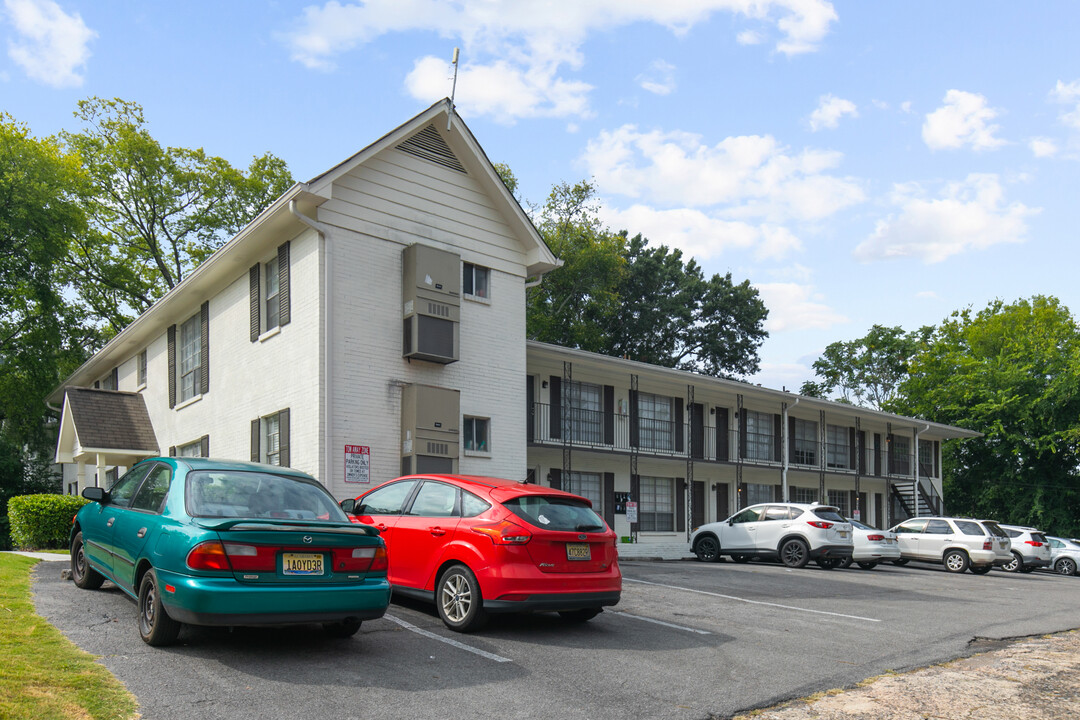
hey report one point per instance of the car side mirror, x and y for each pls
(348, 505)
(96, 494)
(731, 523)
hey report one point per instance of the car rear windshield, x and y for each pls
(969, 528)
(995, 530)
(1038, 537)
(556, 513)
(829, 513)
(861, 526)
(239, 494)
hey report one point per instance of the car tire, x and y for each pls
(1026, 569)
(955, 561)
(741, 558)
(981, 569)
(900, 562)
(343, 629)
(579, 616)
(845, 563)
(1065, 566)
(794, 553)
(707, 549)
(156, 628)
(458, 600)
(1015, 564)
(827, 563)
(84, 576)
(868, 565)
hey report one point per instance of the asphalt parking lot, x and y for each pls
(688, 640)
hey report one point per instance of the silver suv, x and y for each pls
(793, 532)
(1030, 549)
(957, 543)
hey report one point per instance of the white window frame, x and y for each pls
(140, 371)
(656, 422)
(840, 499)
(759, 444)
(587, 413)
(192, 449)
(804, 442)
(803, 495)
(189, 365)
(478, 278)
(271, 296)
(271, 439)
(589, 485)
(656, 506)
(473, 442)
(757, 493)
(838, 447)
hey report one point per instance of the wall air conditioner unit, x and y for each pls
(431, 303)
(429, 429)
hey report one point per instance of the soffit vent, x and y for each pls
(429, 145)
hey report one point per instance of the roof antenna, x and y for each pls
(453, 90)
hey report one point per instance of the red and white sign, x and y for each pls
(358, 464)
(631, 512)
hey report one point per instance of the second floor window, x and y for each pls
(804, 442)
(273, 302)
(759, 435)
(656, 416)
(900, 456)
(475, 434)
(141, 362)
(587, 413)
(190, 358)
(475, 280)
(838, 446)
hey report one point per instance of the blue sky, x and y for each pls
(858, 162)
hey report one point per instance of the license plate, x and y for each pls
(843, 533)
(578, 551)
(302, 564)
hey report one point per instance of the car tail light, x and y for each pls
(504, 533)
(988, 544)
(209, 555)
(820, 524)
(362, 559)
(251, 558)
(875, 538)
(1033, 543)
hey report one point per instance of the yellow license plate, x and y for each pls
(578, 551)
(302, 564)
(843, 533)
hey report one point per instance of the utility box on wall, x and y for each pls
(429, 429)
(431, 303)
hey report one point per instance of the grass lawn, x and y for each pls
(42, 674)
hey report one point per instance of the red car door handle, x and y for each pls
(381, 526)
(436, 531)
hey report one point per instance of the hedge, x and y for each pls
(42, 522)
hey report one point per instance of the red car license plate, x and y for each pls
(578, 551)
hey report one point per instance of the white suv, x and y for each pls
(957, 543)
(793, 532)
(1030, 549)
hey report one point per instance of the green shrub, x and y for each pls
(42, 522)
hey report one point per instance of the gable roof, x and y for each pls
(108, 422)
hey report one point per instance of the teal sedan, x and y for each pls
(227, 543)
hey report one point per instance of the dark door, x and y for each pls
(697, 504)
(697, 430)
(723, 509)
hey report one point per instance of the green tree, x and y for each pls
(1011, 372)
(154, 213)
(866, 371)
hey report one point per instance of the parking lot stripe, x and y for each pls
(448, 641)
(660, 622)
(752, 602)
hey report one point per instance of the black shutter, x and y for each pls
(283, 433)
(635, 493)
(609, 499)
(937, 465)
(172, 451)
(530, 413)
(172, 365)
(204, 369)
(791, 439)
(284, 303)
(115, 379)
(556, 478)
(634, 418)
(862, 452)
(680, 431)
(256, 431)
(697, 431)
(555, 403)
(609, 415)
(254, 302)
(722, 451)
(697, 505)
(877, 454)
(777, 447)
(851, 448)
(680, 504)
(778, 493)
(742, 434)
(723, 508)
(204, 446)
(852, 500)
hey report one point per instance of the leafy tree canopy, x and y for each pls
(1011, 372)
(154, 213)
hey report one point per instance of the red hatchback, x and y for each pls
(478, 545)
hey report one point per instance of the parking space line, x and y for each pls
(448, 641)
(752, 602)
(660, 622)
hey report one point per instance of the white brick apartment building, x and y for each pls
(380, 308)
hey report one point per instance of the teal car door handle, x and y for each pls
(141, 533)
(110, 522)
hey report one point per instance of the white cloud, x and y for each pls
(699, 234)
(793, 306)
(739, 177)
(659, 78)
(968, 215)
(906, 106)
(749, 37)
(926, 295)
(526, 48)
(1068, 94)
(962, 120)
(1042, 147)
(52, 46)
(829, 111)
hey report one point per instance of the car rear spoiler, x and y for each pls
(255, 524)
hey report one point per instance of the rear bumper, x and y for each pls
(224, 601)
(1036, 562)
(554, 601)
(876, 553)
(832, 551)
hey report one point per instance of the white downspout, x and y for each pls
(784, 425)
(328, 355)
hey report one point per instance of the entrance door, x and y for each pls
(697, 504)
